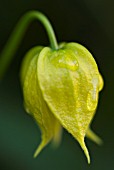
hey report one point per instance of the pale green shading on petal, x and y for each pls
(95, 138)
(69, 81)
(36, 106)
(26, 61)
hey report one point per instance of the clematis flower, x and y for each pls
(61, 89)
(60, 85)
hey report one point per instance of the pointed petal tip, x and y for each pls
(39, 149)
(83, 146)
(34, 156)
(99, 141)
(88, 160)
(95, 138)
(87, 154)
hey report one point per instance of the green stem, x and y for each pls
(17, 35)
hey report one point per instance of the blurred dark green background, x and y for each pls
(88, 22)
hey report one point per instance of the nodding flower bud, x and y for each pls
(60, 84)
(61, 89)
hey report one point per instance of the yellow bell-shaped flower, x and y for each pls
(61, 87)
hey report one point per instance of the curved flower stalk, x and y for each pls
(60, 85)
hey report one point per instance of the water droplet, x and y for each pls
(68, 63)
(65, 59)
(68, 60)
(91, 102)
